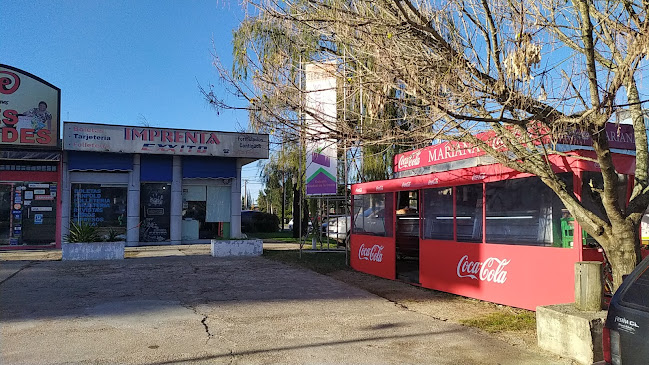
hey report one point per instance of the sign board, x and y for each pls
(320, 117)
(29, 110)
(129, 139)
(620, 136)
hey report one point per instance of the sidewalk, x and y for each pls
(178, 305)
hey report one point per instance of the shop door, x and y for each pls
(5, 213)
(407, 236)
(155, 200)
(38, 214)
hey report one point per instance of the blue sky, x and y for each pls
(127, 62)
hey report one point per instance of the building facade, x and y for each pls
(155, 185)
(30, 161)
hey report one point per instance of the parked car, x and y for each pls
(290, 225)
(256, 221)
(337, 229)
(626, 329)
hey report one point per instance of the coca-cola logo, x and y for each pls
(374, 253)
(13, 80)
(379, 188)
(359, 190)
(406, 184)
(411, 160)
(492, 269)
(434, 181)
(478, 177)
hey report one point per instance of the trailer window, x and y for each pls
(438, 213)
(371, 213)
(523, 211)
(468, 206)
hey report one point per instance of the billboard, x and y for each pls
(29, 110)
(320, 117)
(162, 141)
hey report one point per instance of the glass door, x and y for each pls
(5, 213)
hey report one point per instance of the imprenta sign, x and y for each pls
(129, 139)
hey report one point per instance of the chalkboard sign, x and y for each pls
(155, 200)
(97, 205)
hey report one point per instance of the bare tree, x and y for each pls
(528, 72)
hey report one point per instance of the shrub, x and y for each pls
(82, 232)
(254, 221)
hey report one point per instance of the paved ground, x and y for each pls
(178, 305)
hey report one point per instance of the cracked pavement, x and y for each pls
(178, 305)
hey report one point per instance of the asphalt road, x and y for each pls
(184, 307)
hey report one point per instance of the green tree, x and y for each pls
(526, 72)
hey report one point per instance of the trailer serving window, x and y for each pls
(468, 206)
(373, 214)
(438, 213)
(518, 211)
(523, 212)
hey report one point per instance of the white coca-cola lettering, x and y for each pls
(434, 181)
(359, 190)
(478, 177)
(379, 188)
(374, 253)
(411, 160)
(492, 269)
(406, 184)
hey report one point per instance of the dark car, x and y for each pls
(256, 221)
(626, 330)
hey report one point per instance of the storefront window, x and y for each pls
(28, 213)
(100, 205)
(371, 212)
(206, 212)
(468, 201)
(438, 213)
(155, 203)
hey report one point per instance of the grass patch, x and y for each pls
(502, 322)
(280, 236)
(321, 262)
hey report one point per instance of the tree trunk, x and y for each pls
(296, 211)
(621, 253)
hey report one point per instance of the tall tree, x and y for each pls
(528, 72)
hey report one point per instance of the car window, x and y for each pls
(637, 294)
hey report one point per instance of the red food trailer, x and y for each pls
(454, 220)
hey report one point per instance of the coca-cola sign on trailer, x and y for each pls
(491, 270)
(374, 253)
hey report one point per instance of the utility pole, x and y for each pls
(245, 193)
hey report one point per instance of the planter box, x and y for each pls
(566, 331)
(227, 248)
(93, 251)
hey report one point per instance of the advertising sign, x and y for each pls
(505, 274)
(373, 255)
(129, 139)
(619, 136)
(29, 110)
(320, 116)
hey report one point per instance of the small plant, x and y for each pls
(82, 232)
(113, 236)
